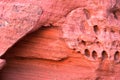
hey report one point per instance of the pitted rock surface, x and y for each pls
(94, 31)
(91, 27)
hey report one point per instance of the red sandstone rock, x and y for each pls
(20, 17)
(43, 44)
(94, 30)
(16, 20)
(90, 27)
(43, 55)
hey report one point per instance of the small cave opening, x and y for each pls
(104, 55)
(87, 53)
(116, 56)
(94, 55)
(96, 29)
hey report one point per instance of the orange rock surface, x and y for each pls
(76, 40)
(43, 55)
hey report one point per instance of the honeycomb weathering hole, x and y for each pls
(116, 56)
(94, 54)
(87, 53)
(104, 55)
(83, 42)
(96, 29)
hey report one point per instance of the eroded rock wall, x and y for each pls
(94, 30)
(90, 27)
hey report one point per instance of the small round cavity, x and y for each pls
(94, 55)
(116, 56)
(83, 42)
(87, 53)
(96, 29)
(104, 55)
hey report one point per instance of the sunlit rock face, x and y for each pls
(16, 20)
(90, 27)
(20, 17)
(94, 30)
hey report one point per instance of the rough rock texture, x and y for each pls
(22, 16)
(94, 30)
(16, 20)
(89, 27)
(19, 17)
(37, 57)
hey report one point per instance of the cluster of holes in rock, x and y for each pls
(103, 54)
(87, 53)
(96, 29)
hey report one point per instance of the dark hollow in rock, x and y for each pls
(87, 53)
(94, 54)
(96, 29)
(83, 42)
(116, 56)
(112, 31)
(104, 55)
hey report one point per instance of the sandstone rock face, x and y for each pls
(19, 17)
(43, 55)
(16, 20)
(94, 31)
(90, 27)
